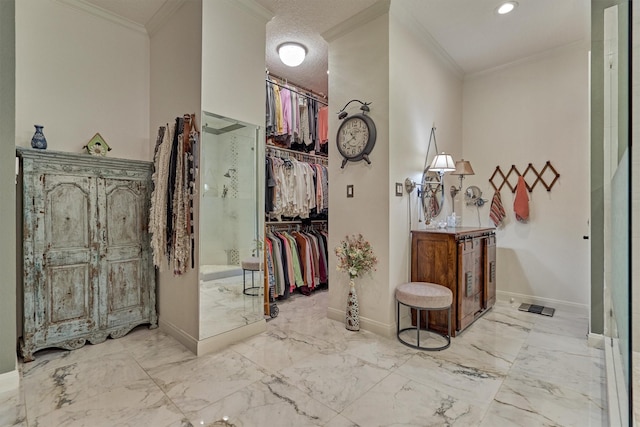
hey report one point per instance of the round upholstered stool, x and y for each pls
(250, 264)
(423, 296)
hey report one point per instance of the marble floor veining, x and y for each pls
(509, 368)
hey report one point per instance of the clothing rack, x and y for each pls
(287, 85)
(285, 153)
(314, 222)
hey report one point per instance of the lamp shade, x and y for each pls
(463, 167)
(442, 163)
(292, 54)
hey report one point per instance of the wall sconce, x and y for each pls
(441, 164)
(463, 168)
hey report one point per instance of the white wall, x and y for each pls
(78, 74)
(531, 112)
(369, 63)
(175, 90)
(233, 68)
(208, 56)
(422, 94)
(358, 68)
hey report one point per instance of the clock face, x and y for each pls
(353, 137)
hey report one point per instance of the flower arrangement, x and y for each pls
(355, 256)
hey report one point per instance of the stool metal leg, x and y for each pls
(417, 328)
(397, 317)
(419, 315)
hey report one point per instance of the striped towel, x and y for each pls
(497, 212)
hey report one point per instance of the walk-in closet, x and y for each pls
(296, 194)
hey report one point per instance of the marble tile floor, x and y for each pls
(509, 368)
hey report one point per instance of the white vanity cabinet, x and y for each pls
(87, 267)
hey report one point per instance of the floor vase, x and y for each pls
(353, 309)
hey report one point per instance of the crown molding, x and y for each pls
(94, 10)
(367, 15)
(257, 9)
(558, 50)
(405, 16)
(162, 15)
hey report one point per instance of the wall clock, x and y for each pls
(356, 135)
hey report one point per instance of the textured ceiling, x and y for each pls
(473, 36)
(303, 21)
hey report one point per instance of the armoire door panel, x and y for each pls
(69, 293)
(123, 214)
(126, 300)
(64, 213)
(124, 293)
(68, 206)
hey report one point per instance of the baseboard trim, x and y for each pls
(379, 328)
(595, 341)
(568, 306)
(184, 338)
(10, 380)
(225, 339)
(215, 343)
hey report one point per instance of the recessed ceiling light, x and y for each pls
(506, 7)
(291, 53)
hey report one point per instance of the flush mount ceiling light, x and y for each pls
(291, 53)
(506, 7)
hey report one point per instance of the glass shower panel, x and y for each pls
(229, 225)
(616, 186)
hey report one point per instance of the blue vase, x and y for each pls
(39, 141)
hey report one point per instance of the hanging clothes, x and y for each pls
(305, 254)
(171, 213)
(295, 189)
(294, 119)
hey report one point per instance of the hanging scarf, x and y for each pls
(497, 212)
(521, 202)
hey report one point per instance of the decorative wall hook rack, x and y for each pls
(501, 179)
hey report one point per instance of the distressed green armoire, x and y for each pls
(86, 260)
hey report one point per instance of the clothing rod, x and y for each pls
(296, 91)
(294, 222)
(275, 150)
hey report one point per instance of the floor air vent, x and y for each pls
(538, 309)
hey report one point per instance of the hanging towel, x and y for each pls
(497, 212)
(521, 202)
